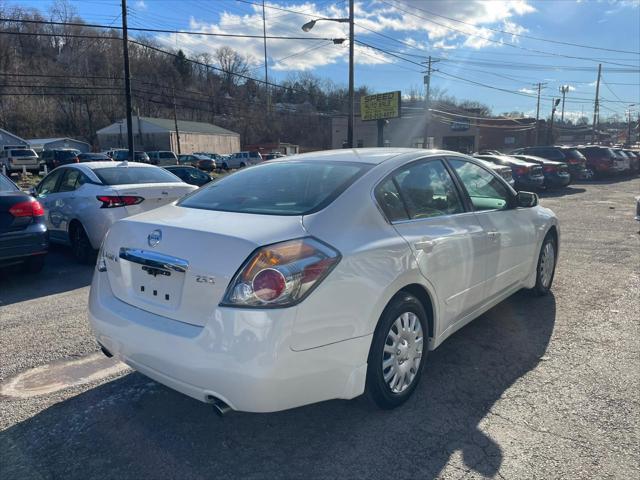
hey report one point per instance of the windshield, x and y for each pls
(7, 185)
(23, 153)
(131, 175)
(287, 188)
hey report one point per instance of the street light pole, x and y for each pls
(351, 87)
(308, 26)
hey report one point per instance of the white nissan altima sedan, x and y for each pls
(318, 276)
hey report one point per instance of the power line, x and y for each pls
(558, 42)
(158, 30)
(499, 42)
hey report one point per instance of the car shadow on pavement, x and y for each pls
(133, 427)
(61, 273)
(561, 192)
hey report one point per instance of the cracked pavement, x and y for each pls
(537, 388)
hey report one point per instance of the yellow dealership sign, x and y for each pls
(380, 106)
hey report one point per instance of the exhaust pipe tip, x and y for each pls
(220, 407)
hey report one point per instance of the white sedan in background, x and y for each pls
(316, 276)
(82, 200)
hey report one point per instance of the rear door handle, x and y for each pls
(493, 236)
(425, 245)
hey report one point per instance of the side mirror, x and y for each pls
(32, 191)
(526, 199)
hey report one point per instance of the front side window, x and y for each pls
(287, 188)
(427, 190)
(486, 191)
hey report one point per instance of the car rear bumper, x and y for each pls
(556, 180)
(533, 183)
(241, 357)
(17, 246)
(577, 171)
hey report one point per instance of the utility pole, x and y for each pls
(554, 105)
(427, 101)
(266, 65)
(540, 85)
(175, 121)
(351, 87)
(596, 105)
(127, 79)
(563, 90)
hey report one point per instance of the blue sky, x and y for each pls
(472, 38)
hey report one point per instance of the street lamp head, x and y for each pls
(308, 26)
(339, 41)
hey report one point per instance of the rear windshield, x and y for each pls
(7, 185)
(94, 156)
(132, 175)
(23, 153)
(167, 155)
(287, 188)
(67, 154)
(574, 153)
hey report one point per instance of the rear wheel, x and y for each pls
(34, 264)
(546, 266)
(225, 166)
(397, 352)
(80, 245)
(242, 165)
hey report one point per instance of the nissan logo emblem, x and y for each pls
(154, 238)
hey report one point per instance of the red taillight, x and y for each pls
(269, 284)
(76, 159)
(521, 170)
(282, 274)
(549, 168)
(113, 201)
(30, 208)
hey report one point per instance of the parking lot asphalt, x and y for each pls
(535, 388)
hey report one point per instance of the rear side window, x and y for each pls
(7, 185)
(132, 175)
(389, 200)
(66, 154)
(69, 180)
(427, 190)
(485, 190)
(287, 188)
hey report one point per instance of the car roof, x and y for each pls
(372, 156)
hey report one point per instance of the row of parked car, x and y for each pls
(77, 202)
(535, 168)
(17, 159)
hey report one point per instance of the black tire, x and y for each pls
(377, 387)
(80, 245)
(242, 165)
(544, 283)
(225, 166)
(34, 264)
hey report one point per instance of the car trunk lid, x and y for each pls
(155, 195)
(177, 262)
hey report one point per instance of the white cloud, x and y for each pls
(529, 91)
(141, 5)
(406, 21)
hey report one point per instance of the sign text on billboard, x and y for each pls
(380, 106)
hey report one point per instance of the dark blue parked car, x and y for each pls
(556, 174)
(527, 176)
(23, 234)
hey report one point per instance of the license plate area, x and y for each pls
(157, 286)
